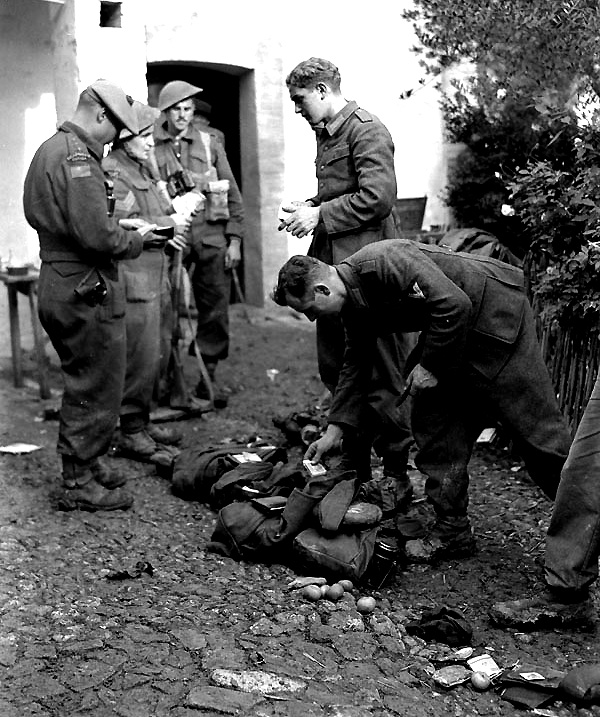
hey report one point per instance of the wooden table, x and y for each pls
(25, 284)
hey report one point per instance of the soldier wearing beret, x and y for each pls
(193, 162)
(81, 302)
(477, 358)
(146, 284)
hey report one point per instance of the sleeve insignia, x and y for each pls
(126, 204)
(80, 170)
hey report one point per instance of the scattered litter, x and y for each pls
(486, 664)
(451, 676)
(140, 568)
(515, 469)
(19, 448)
(487, 435)
(272, 373)
(442, 624)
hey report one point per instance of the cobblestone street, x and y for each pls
(191, 633)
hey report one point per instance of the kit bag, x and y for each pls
(345, 554)
(255, 480)
(195, 470)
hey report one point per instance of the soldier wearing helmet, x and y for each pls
(81, 302)
(194, 163)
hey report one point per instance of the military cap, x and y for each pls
(174, 92)
(203, 107)
(146, 117)
(116, 101)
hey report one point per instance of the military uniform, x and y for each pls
(205, 158)
(146, 285)
(65, 201)
(478, 339)
(356, 195)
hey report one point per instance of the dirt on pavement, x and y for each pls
(199, 634)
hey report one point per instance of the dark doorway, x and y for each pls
(221, 89)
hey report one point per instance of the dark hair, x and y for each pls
(296, 277)
(312, 71)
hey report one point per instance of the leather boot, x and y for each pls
(164, 434)
(107, 477)
(81, 490)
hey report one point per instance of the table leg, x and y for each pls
(15, 335)
(40, 356)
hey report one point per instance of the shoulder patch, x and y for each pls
(125, 204)
(367, 266)
(363, 115)
(80, 170)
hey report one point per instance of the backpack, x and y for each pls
(195, 470)
(345, 554)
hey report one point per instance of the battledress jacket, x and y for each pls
(470, 311)
(65, 202)
(194, 158)
(356, 184)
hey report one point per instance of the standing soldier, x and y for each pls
(81, 302)
(146, 281)
(194, 161)
(352, 208)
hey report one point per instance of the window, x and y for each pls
(110, 14)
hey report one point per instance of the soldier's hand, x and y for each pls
(178, 242)
(302, 219)
(233, 255)
(329, 441)
(136, 223)
(420, 379)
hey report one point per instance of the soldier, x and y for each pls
(81, 301)
(356, 192)
(477, 356)
(193, 161)
(146, 283)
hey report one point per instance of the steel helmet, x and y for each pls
(174, 92)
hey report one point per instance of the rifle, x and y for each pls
(240, 295)
(179, 392)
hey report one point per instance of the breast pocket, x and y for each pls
(336, 164)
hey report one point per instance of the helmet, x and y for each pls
(146, 116)
(174, 92)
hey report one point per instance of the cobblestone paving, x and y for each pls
(204, 635)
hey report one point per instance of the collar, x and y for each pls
(349, 276)
(120, 155)
(96, 148)
(162, 134)
(336, 122)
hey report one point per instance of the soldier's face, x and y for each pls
(179, 116)
(323, 302)
(310, 103)
(139, 146)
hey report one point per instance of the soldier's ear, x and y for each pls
(322, 289)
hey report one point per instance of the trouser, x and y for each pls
(143, 279)
(211, 284)
(447, 419)
(573, 539)
(90, 342)
(385, 425)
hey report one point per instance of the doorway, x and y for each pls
(229, 90)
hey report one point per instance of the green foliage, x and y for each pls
(561, 214)
(535, 72)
